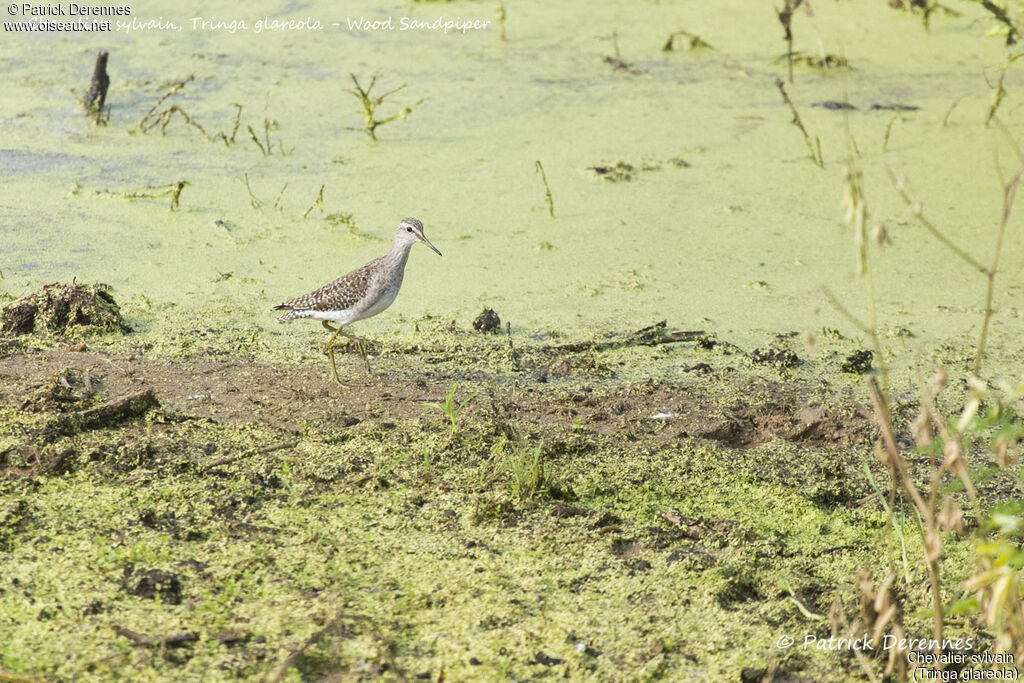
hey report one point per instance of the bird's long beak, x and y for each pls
(427, 242)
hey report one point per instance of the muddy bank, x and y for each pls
(169, 516)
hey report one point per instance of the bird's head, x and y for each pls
(410, 230)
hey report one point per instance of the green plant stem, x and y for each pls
(915, 210)
(548, 199)
(1009, 194)
(926, 508)
(815, 152)
(897, 530)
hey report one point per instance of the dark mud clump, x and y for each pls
(857, 363)
(546, 660)
(707, 342)
(614, 172)
(780, 358)
(61, 309)
(150, 583)
(619, 171)
(821, 62)
(487, 322)
(894, 107)
(834, 105)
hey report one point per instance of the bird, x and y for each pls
(363, 293)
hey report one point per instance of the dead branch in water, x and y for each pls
(96, 96)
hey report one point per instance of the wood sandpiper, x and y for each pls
(362, 293)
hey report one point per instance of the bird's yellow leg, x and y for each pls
(330, 348)
(360, 346)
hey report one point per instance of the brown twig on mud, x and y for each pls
(228, 459)
(814, 151)
(112, 412)
(279, 671)
(652, 335)
(176, 639)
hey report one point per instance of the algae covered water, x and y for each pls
(680, 189)
(185, 494)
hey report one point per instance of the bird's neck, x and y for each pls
(399, 252)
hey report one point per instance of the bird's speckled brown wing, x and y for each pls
(339, 295)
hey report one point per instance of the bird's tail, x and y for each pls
(290, 315)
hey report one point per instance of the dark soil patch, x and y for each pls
(738, 587)
(770, 410)
(287, 397)
(752, 675)
(151, 584)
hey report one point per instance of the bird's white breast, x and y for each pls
(387, 297)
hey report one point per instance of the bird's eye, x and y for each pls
(408, 229)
